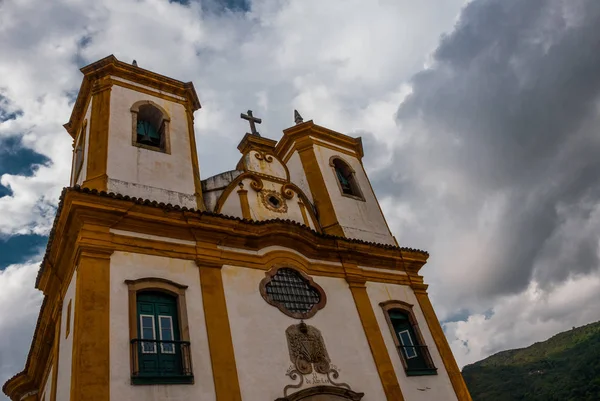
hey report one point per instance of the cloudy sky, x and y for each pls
(481, 123)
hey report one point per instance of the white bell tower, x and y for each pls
(133, 134)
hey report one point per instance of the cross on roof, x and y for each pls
(252, 120)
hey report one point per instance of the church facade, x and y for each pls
(278, 280)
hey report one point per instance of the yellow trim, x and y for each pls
(194, 155)
(322, 144)
(316, 183)
(375, 339)
(97, 155)
(313, 132)
(243, 194)
(146, 91)
(303, 211)
(56, 352)
(456, 378)
(220, 343)
(68, 322)
(90, 374)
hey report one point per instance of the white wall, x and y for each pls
(65, 351)
(47, 387)
(361, 220)
(414, 388)
(297, 175)
(260, 344)
(130, 266)
(146, 173)
(273, 168)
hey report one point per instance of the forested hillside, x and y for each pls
(565, 367)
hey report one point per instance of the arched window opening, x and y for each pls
(150, 126)
(160, 347)
(346, 178)
(414, 353)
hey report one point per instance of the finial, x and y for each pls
(134, 63)
(297, 117)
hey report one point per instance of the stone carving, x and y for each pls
(309, 356)
(307, 349)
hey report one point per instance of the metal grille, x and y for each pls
(289, 288)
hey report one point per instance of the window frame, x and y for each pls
(141, 334)
(353, 181)
(165, 146)
(311, 283)
(171, 288)
(418, 341)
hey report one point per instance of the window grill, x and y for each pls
(288, 288)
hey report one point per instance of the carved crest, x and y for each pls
(307, 349)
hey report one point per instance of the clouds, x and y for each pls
(499, 165)
(19, 306)
(481, 145)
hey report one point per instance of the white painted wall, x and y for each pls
(145, 173)
(82, 174)
(65, 351)
(297, 175)
(130, 266)
(47, 387)
(260, 344)
(361, 220)
(414, 388)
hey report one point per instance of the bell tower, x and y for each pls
(133, 134)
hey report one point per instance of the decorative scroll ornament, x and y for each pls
(287, 191)
(273, 201)
(256, 183)
(263, 156)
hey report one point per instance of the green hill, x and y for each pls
(565, 367)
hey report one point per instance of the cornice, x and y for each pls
(311, 131)
(103, 69)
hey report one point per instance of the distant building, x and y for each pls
(279, 280)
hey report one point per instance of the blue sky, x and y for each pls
(479, 120)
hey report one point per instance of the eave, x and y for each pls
(110, 66)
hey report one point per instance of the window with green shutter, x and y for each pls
(414, 353)
(159, 354)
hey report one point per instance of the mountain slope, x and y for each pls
(565, 367)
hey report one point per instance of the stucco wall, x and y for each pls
(132, 266)
(414, 388)
(65, 351)
(46, 387)
(254, 161)
(361, 220)
(146, 173)
(260, 344)
(297, 175)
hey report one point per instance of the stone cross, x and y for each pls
(252, 120)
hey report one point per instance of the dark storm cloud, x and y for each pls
(511, 106)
